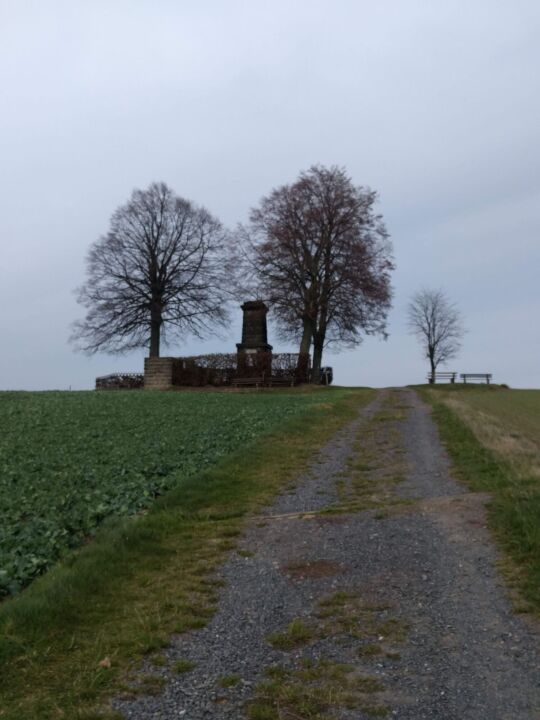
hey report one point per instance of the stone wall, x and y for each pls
(158, 373)
(165, 373)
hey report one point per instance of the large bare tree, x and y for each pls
(322, 259)
(438, 324)
(158, 272)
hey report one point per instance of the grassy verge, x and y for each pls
(514, 512)
(71, 639)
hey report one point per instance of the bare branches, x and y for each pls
(161, 268)
(437, 323)
(322, 260)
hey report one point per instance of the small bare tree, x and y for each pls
(162, 266)
(438, 324)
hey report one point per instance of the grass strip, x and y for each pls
(514, 511)
(73, 637)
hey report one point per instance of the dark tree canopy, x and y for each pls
(437, 324)
(159, 272)
(322, 260)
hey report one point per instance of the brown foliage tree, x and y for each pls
(438, 325)
(322, 260)
(160, 268)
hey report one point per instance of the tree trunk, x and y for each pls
(155, 331)
(302, 366)
(433, 368)
(307, 334)
(318, 343)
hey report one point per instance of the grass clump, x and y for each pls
(245, 553)
(159, 660)
(376, 710)
(313, 692)
(297, 633)
(184, 666)
(150, 684)
(369, 650)
(345, 613)
(229, 681)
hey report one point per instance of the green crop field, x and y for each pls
(493, 437)
(68, 461)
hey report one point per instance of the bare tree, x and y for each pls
(159, 270)
(322, 260)
(438, 325)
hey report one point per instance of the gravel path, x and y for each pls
(425, 618)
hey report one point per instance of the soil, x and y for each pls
(422, 618)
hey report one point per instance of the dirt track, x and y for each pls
(397, 581)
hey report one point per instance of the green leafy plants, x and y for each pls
(71, 461)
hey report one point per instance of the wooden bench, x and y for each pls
(486, 377)
(434, 377)
(286, 381)
(248, 382)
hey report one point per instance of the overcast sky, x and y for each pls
(436, 105)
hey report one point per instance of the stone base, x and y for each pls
(158, 373)
(253, 362)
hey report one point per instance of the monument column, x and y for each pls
(254, 352)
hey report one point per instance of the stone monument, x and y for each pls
(254, 352)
